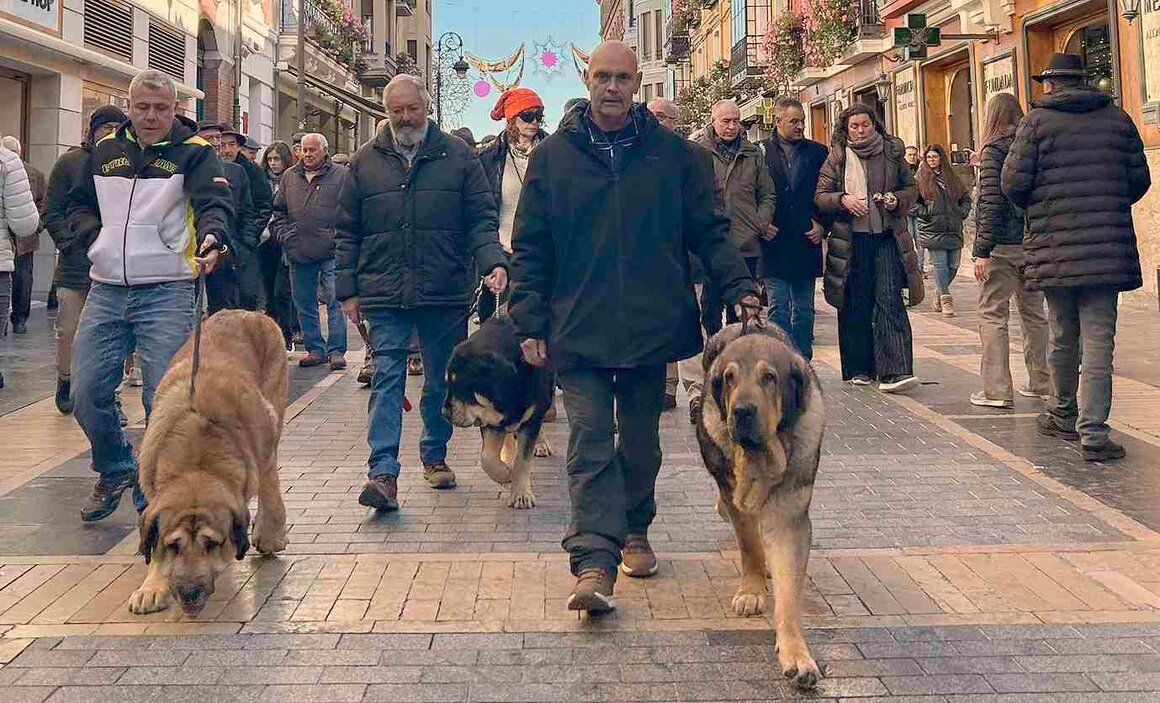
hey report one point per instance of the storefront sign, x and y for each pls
(1150, 29)
(42, 14)
(999, 77)
(906, 106)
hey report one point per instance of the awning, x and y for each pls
(344, 96)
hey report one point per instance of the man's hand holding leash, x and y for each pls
(210, 252)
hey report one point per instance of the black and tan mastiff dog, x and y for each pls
(489, 385)
(204, 458)
(760, 433)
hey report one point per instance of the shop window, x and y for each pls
(95, 95)
(1094, 44)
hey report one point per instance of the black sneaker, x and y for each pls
(105, 498)
(20, 327)
(1049, 425)
(64, 401)
(381, 493)
(593, 591)
(1108, 451)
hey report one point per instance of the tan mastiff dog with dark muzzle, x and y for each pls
(203, 460)
(760, 432)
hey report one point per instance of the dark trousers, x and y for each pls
(275, 275)
(712, 303)
(22, 288)
(221, 289)
(874, 336)
(246, 278)
(611, 479)
(1082, 320)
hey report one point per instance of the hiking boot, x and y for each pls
(947, 305)
(64, 401)
(381, 493)
(312, 359)
(670, 400)
(1108, 451)
(414, 366)
(438, 475)
(694, 409)
(1031, 393)
(860, 380)
(337, 362)
(1049, 425)
(593, 591)
(637, 559)
(980, 399)
(367, 373)
(105, 498)
(897, 384)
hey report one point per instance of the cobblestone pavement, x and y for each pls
(956, 558)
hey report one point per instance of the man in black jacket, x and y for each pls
(71, 277)
(222, 289)
(415, 211)
(1077, 166)
(261, 197)
(612, 206)
(792, 260)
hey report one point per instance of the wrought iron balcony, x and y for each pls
(315, 17)
(677, 46)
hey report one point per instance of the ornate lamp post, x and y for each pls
(449, 42)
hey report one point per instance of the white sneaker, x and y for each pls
(900, 384)
(1028, 393)
(860, 380)
(980, 399)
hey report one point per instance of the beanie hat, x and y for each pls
(104, 115)
(515, 101)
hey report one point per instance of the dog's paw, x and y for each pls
(542, 448)
(748, 603)
(522, 500)
(149, 598)
(798, 665)
(269, 540)
(497, 471)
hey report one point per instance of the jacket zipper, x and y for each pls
(125, 235)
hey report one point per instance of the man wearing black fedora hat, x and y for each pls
(262, 197)
(1076, 166)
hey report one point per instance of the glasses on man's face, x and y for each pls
(531, 116)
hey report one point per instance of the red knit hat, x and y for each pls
(515, 101)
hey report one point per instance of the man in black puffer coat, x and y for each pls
(1077, 166)
(414, 212)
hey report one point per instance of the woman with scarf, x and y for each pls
(998, 257)
(275, 273)
(943, 204)
(505, 161)
(865, 190)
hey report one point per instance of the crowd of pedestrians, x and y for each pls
(625, 244)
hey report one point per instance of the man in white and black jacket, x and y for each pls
(152, 212)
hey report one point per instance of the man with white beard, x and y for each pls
(414, 211)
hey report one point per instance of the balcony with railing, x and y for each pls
(677, 43)
(335, 43)
(870, 35)
(404, 8)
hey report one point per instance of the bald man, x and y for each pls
(749, 192)
(612, 206)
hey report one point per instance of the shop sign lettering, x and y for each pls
(44, 14)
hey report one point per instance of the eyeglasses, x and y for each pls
(531, 116)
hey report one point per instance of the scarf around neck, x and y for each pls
(865, 176)
(869, 147)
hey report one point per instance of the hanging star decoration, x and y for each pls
(507, 66)
(547, 59)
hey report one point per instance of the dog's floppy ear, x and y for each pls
(240, 534)
(148, 528)
(794, 389)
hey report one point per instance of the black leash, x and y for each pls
(198, 314)
(758, 323)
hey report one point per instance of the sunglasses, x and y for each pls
(530, 116)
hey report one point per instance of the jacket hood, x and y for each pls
(574, 122)
(1076, 99)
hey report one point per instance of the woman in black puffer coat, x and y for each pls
(998, 256)
(943, 204)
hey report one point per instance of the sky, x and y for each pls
(494, 29)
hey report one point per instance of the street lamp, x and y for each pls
(452, 43)
(1129, 10)
(882, 87)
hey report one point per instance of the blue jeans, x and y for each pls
(912, 227)
(440, 329)
(946, 267)
(155, 320)
(791, 307)
(306, 280)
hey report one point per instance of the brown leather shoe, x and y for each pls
(438, 475)
(381, 493)
(593, 591)
(312, 359)
(637, 558)
(337, 362)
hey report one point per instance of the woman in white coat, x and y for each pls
(18, 219)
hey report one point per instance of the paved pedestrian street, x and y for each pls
(957, 557)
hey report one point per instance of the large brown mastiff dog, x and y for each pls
(202, 461)
(760, 433)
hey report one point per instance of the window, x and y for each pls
(631, 14)
(659, 31)
(413, 49)
(646, 37)
(660, 90)
(647, 93)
